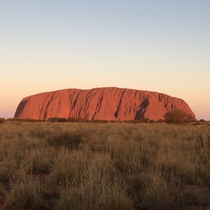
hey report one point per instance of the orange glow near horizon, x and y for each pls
(145, 45)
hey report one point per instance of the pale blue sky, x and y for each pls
(157, 45)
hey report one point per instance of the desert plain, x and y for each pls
(113, 165)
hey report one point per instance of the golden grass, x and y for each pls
(90, 166)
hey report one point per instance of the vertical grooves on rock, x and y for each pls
(41, 111)
(48, 104)
(75, 102)
(119, 105)
(88, 99)
(97, 106)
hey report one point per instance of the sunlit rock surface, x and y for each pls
(100, 104)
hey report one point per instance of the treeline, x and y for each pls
(175, 116)
(81, 120)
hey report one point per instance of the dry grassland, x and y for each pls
(92, 166)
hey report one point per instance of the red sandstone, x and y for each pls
(100, 104)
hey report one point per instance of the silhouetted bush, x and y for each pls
(2, 120)
(201, 122)
(178, 116)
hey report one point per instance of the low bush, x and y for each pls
(2, 120)
(72, 119)
(23, 120)
(178, 116)
(57, 119)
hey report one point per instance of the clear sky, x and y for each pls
(156, 45)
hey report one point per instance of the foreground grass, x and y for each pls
(91, 166)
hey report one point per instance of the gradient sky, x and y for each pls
(156, 45)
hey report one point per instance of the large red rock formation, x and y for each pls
(100, 104)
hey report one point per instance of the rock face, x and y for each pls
(100, 104)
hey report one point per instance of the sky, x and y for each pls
(155, 45)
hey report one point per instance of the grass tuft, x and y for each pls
(67, 140)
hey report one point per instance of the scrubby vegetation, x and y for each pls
(178, 116)
(2, 120)
(91, 166)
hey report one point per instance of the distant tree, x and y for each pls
(178, 116)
